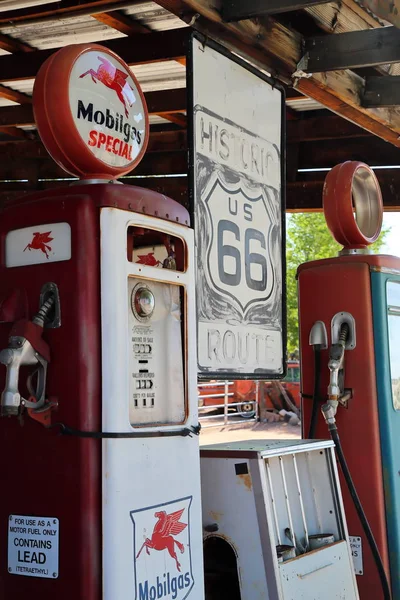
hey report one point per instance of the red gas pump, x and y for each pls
(343, 313)
(99, 399)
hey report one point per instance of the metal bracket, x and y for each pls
(347, 396)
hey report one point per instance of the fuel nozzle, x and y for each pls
(26, 348)
(336, 380)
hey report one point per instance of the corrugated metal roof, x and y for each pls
(5, 102)
(25, 85)
(61, 32)
(18, 4)
(304, 104)
(64, 30)
(154, 16)
(160, 76)
(152, 77)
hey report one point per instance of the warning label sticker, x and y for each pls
(356, 552)
(33, 546)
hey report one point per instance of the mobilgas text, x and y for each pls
(164, 587)
(112, 144)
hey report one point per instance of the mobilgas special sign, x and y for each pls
(238, 216)
(90, 112)
(107, 108)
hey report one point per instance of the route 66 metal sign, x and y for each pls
(238, 217)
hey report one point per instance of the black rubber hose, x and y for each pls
(317, 386)
(360, 511)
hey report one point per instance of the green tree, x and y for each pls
(308, 238)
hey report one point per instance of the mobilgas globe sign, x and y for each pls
(90, 112)
(107, 108)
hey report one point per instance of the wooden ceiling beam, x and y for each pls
(347, 16)
(120, 22)
(320, 128)
(301, 196)
(237, 10)
(351, 50)
(175, 117)
(153, 163)
(322, 154)
(158, 103)
(281, 50)
(15, 132)
(67, 8)
(14, 95)
(11, 44)
(174, 187)
(160, 141)
(306, 196)
(138, 49)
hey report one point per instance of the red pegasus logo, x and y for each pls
(148, 259)
(115, 79)
(40, 241)
(161, 539)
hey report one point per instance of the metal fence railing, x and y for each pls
(228, 407)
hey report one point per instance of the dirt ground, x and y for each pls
(246, 431)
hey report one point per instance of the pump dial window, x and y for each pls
(142, 302)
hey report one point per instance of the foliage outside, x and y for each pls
(308, 238)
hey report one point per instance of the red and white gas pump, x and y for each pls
(100, 459)
(346, 306)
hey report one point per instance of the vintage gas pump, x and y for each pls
(349, 337)
(100, 463)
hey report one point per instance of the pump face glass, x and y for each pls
(157, 329)
(393, 307)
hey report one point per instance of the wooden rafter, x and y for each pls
(160, 141)
(53, 10)
(320, 128)
(304, 196)
(139, 49)
(175, 187)
(281, 50)
(158, 103)
(301, 196)
(14, 95)
(120, 22)
(175, 117)
(14, 132)
(11, 44)
(344, 17)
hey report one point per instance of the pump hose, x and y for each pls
(360, 511)
(316, 396)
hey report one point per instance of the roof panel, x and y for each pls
(5, 102)
(160, 76)
(25, 85)
(154, 16)
(61, 32)
(304, 104)
(18, 4)
(152, 77)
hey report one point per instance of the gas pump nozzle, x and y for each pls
(335, 365)
(26, 348)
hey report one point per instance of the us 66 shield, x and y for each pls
(239, 253)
